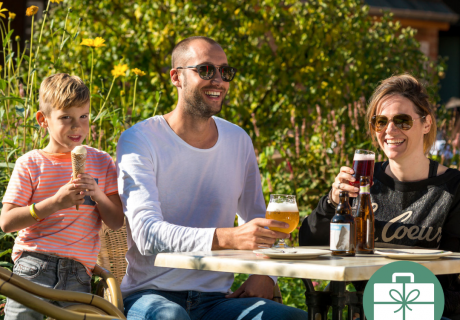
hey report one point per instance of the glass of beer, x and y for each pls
(363, 165)
(283, 208)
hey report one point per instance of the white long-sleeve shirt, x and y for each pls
(174, 197)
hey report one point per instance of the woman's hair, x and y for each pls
(410, 88)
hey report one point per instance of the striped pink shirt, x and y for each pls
(66, 233)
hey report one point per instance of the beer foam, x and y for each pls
(79, 150)
(282, 207)
(363, 157)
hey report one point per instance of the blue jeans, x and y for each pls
(190, 305)
(51, 272)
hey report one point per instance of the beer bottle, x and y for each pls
(364, 218)
(343, 232)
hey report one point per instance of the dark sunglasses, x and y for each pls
(401, 121)
(208, 71)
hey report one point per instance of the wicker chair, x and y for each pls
(112, 258)
(87, 306)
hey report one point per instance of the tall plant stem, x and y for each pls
(41, 32)
(6, 155)
(18, 65)
(26, 107)
(107, 98)
(90, 93)
(62, 39)
(100, 134)
(3, 33)
(134, 95)
(158, 102)
(11, 64)
(38, 137)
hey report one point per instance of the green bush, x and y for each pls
(305, 72)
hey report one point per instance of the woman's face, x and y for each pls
(399, 144)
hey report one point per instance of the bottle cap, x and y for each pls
(343, 194)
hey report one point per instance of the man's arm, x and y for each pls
(139, 195)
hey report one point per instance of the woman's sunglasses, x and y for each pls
(208, 71)
(401, 121)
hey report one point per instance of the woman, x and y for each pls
(416, 200)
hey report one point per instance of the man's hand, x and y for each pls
(86, 182)
(249, 236)
(255, 286)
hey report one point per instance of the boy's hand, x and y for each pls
(69, 196)
(87, 183)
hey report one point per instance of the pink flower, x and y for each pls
(315, 283)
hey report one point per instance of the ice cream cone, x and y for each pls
(78, 162)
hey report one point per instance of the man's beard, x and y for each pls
(196, 106)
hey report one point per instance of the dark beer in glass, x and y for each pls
(363, 165)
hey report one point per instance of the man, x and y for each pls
(182, 177)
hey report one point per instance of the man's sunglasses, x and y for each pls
(401, 121)
(208, 71)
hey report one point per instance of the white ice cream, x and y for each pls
(79, 150)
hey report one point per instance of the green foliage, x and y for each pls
(306, 70)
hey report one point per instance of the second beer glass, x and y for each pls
(283, 208)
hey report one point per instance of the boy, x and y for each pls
(57, 245)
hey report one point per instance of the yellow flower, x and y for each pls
(56, 1)
(119, 70)
(2, 10)
(87, 42)
(1, 68)
(99, 42)
(11, 15)
(32, 10)
(138, 72)
(94, 43)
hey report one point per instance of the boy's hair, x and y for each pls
(62, 91)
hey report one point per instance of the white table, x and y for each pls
(328, 267)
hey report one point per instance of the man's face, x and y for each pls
(204, 98)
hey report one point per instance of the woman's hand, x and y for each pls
(342, 183)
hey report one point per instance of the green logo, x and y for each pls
(403, 290)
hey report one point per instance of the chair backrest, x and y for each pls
(113, 250)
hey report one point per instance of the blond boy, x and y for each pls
(57, 245)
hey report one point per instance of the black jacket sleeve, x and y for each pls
(315, 229)
(450, 241)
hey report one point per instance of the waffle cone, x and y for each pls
(78, 165)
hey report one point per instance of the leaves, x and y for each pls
(9, 57)
(101, 115)
(7, 38)
(3, 84)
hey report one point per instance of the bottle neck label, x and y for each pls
(365, 189)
